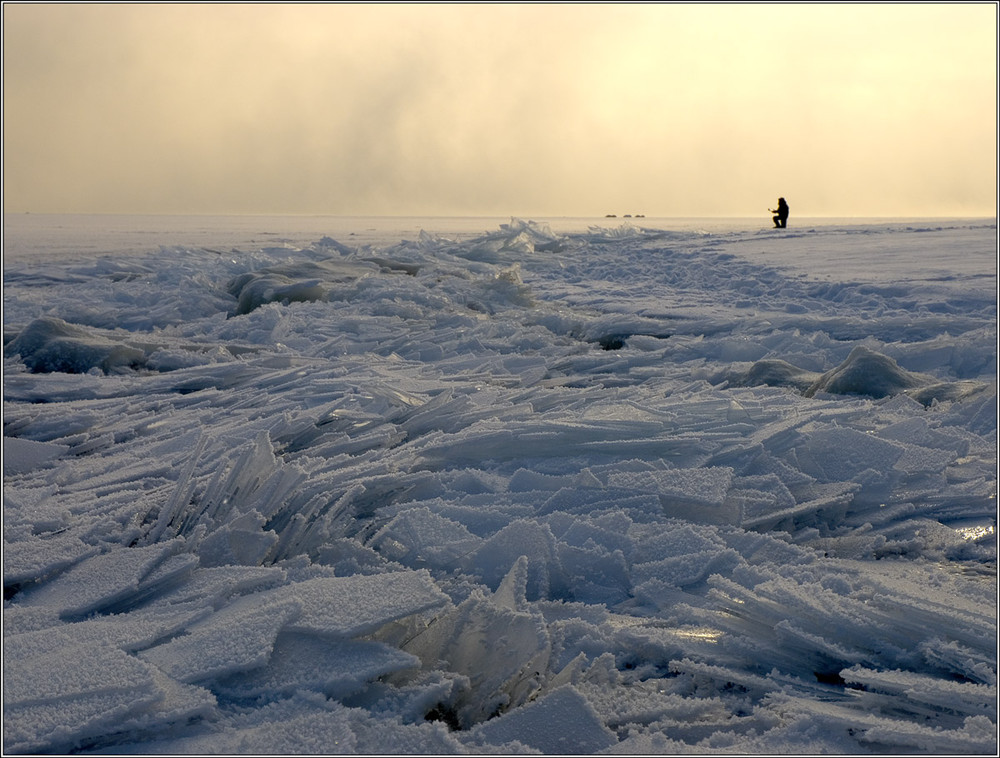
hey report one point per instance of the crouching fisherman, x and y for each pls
(781, 214)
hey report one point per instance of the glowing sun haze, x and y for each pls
(508, 109)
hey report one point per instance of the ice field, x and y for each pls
(617, 487)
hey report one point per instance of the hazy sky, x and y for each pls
(501, 109)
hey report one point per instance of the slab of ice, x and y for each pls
(418, 536)
(494, 558)
(837, 454)
(240, 542)
(56, 697)
(561, 723)
(975, 735)
(962, 698)
(106, 580)
(310, 725)
(37, 558)
(299, 726)
(353, 605)
(335, 667)
(20, 456)
(238, 638)
(216, 586)
(695, 494)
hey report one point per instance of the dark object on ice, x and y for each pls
(616, 341)
(612, 341)
(781, 217)
(830, 677)
(445, 714)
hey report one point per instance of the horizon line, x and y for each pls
(482, 215)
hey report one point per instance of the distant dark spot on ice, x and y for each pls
(617, 341)
(830, 677)
(444, 714)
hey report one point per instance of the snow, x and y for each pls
(499, 486)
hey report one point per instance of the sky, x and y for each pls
(501, 109)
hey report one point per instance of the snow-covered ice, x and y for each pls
(614, 488)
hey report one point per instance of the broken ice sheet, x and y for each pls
(412, 509)
(356, 605)
(561, 722)
(237, 638)
(101, 581)
(57, 696)
(335, 667)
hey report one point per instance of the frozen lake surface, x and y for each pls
(370, 485)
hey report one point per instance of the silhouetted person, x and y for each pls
(781, 219)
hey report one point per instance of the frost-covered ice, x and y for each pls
(612, 490)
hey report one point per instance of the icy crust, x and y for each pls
(522, 494)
